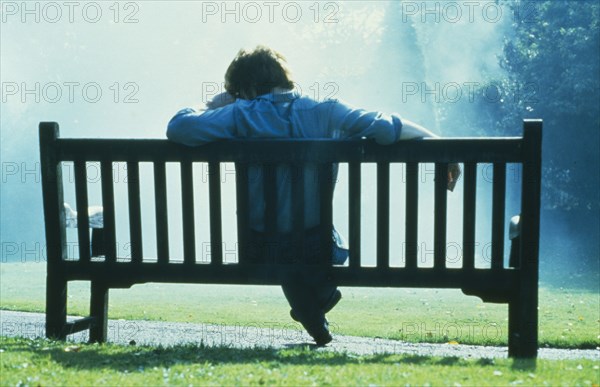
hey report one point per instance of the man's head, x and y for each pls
(257, 72)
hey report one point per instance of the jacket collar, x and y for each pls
(280, 95)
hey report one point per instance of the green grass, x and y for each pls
(569, 318)
(43, 362)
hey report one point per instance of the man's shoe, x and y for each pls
(320, 333)
(323, 338)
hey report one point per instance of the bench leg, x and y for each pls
(99, 310)
(523, 326)
(56, 307)
(522, 310)
(513, 328)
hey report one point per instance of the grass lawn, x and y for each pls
(43, 362)
(568, 318)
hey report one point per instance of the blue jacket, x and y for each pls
(283, 115)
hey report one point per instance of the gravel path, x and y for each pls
(275, 336)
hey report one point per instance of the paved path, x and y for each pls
(274, 335)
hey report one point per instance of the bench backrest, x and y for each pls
(294, 153)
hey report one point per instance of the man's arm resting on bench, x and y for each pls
(411, 130)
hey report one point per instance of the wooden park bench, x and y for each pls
(515, 283)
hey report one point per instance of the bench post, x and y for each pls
(99, 311)
(523, 307)
(52, 188)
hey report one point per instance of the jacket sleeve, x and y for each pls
(191, 127)
(351, 123)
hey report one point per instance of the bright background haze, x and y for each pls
(151, 58)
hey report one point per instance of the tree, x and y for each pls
(552, 60)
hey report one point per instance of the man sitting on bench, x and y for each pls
(260, 102)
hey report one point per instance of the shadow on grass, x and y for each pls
(524, 364)
(132, 358)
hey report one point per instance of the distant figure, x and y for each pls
(260, 102)
(95, 216)
(95, 222)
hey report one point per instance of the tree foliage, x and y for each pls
(552, 61)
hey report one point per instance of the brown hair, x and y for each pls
(257, 72)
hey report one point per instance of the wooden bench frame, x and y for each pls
(517, 285)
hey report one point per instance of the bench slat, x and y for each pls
(187, 215)
(412, 211)
(135, 215)
(216, 233)
(297, 181)
(160, 204)
(499, 280)
(80, 324)
(326, 206)
(289, 151)
(498, 216)
(469, 196)
(354, 191)
(81, 197)
(270, 198)
(383, 215)
(243, 213)
(440, 216)
(108, 204)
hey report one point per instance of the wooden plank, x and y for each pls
(243, 210)
(81, 198)
(326, 207)
(296, 151)
(530, 205)
(108, 204)
(297, 181)
(135, 214)
(99, 312)
(440, 215)
(383, 215)
(498, 215)
(270, 198)
(79, 325)
(187, 213)
(160, 203)
(469, 197)
(54, 221)
(485, 279)
(354, 209)
(52, 188)
(525, 304)
(412, 214)
(216, 227)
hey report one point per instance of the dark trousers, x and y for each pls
(307, 290)
(305, 277)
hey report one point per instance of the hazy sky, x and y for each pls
(122, 69)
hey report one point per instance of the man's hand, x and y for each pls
(453, 175)
(220, 100)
